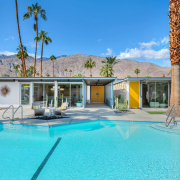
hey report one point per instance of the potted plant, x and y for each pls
(79, 104)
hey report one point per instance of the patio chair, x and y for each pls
(38, 111)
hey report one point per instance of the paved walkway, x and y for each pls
(90, 113)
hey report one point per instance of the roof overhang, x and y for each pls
(88, 80)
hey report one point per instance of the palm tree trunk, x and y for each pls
(107, 73)
(35, 48)
(174, 47)
(53, 68)
(22, 59)
(41, 58)
(137, 75)
(90, 72)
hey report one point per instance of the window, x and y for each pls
(25, 94)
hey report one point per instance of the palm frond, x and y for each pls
(27, 15)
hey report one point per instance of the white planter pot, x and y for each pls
(78, 104)
(154, 104)
(163, 105)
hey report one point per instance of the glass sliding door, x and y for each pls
(25, 94)
(162, 94)
(64, 94)
(76, 95)
(44, 94)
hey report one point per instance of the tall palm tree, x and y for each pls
(35, 10)
(106, 70)
(89, 64)
(66, 72)
(70, 72)
(16, 67)
(52, 59)
(19, 52)
(45, 39)
(137, 71)
(22, 59)
(174, 47)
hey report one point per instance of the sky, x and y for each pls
(137, 30)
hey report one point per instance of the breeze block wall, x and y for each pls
(13, 97)
(120, 89)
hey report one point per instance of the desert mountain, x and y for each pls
(76, 64)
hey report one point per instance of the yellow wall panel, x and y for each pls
(134, 94)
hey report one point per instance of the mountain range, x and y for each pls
(76, 64)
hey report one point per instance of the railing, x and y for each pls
(10, 120)
(172, 118)
(20, 120)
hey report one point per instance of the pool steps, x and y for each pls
(170, 129)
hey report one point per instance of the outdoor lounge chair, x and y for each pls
(39, 111)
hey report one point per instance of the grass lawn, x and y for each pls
(155, 112)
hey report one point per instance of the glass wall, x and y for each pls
(155, 94)
(64, 93)
(25, 94)
(76, 94)
(44, 94)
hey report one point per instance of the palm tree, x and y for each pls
(169, 73)
(137, 71)
(35, 10)
(66, 72)
(47, 75)
(106, 70)
(37, 74)
(22, 59)
(16, 67)
(30, 71)
(52, 59)
(89, 64)
(79, 75)
(70, 72)
(174, 47)
(45, 39)
(4, 75)
(111, 60)
(127, 76)
(19, 54)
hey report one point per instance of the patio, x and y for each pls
(90, 113)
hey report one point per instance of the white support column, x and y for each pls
(112, 96)
(169, 94)
(31, 93)
(127, 94)
(140, 94)
(55, 92)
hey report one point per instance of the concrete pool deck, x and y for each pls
(90, 113)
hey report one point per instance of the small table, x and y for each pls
(51, 111)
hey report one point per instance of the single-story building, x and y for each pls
(142, 92)
(53, 91)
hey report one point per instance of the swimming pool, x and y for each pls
(92, 150)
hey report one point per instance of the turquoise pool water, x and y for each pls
(102, 150)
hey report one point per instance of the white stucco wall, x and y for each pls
(13, 98)
(88, 94)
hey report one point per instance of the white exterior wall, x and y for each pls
(109, 94)
(13, 98)
(88, 94)
(84, 94)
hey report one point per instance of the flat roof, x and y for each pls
(88, 80)
(149, 79)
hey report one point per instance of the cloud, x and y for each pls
(148, 45)
(167, 62)
(144, 54)
(31, 44)
(99, 39)
(109, 52)
(7, 53)
(165, 40)
(10, 38)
